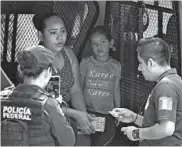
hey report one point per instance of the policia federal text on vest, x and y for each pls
(18, 116)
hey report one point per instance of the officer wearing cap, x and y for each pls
(161, 124)
(35, 64)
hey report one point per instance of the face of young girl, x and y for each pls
(54, 34)
(100, 45)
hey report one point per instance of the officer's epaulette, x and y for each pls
(42, 96)
(7, 92)
(166, 80)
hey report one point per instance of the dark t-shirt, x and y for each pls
(165, 103)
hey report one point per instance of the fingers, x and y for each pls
(92, 128)
(84, 130)
(123, 129)
(89, 129)
(118, 109)
(91, 116)
(60, 99)
(120, 119)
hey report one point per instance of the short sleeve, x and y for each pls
(83, 66)
(166, 99)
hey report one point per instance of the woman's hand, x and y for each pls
(84, 121)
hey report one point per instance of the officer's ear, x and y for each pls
(49, 71)
(40, 36)
(151, 63)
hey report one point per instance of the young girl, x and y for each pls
(100, 79)
(53, 34)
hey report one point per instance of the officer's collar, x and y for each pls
(168, 72)
(33, 87)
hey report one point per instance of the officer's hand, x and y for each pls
(60, 99)
(129, 131)
(84, 121)
(124, 115)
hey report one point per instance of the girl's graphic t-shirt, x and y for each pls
(99, 79)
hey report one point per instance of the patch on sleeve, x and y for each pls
(165, 103)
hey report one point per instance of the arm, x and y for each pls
(77, 98)
(82, 119)
(75, 114)
(82, 78)
(158, 131)
(82, 73)
(165, 100)
(117, 99)
(60, 128)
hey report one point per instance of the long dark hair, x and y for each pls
(39, 20)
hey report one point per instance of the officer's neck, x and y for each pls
(32, 81)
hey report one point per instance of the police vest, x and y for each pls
(22, 121)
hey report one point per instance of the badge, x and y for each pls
(165, 103)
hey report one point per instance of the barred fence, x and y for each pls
(18, 32)
(130, 21)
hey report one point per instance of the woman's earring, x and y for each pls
(40, 41)
(113, 49)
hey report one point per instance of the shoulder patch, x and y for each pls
(41, 97)
(165, 103)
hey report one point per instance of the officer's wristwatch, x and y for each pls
(135, 134)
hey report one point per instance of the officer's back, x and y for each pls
(28, 104)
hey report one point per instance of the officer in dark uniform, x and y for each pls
(35, 64)
(162, 120)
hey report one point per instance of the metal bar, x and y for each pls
(179, 23)
(6, 37)
(14, 37)
(160, 19)
(159, 8)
